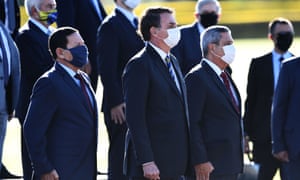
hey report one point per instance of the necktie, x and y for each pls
(281, 59)
(169, 65)
(4, 59)
(136, 23)
(84, 91)
(227, 85)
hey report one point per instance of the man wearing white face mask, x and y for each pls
(117, 42)
(214, 108)
(156, 105)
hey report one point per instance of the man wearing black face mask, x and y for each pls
(262, 81)
(188, 51)
(32, 42)
(60, 128)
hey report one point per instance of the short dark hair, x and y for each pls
(58, 39)
(276, 21)
(151, 18)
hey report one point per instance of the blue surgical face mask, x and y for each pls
(80, 56)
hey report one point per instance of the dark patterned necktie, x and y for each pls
(227, 85)
(84, 91)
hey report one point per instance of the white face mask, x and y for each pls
(132, 3)
(173, 37)
(229, 56)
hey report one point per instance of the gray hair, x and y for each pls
(212, 35)
(201, 3)
(29, 4)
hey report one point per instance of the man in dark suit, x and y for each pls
(32, 42)
(262, 80)
(157, 141)
(10, 16)
(117, 42)
(214, 108)
(285, 118)
(86, 16)
(188, 51)
(61, 123)
(9, 81)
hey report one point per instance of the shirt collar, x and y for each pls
(40, 26)
(200, 28)
(217, 70)
(128, 14)
(161, 53)
(277, 55)
(68, 70)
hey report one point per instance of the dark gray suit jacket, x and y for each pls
(216, 131)
(157, 116)
(10, 92)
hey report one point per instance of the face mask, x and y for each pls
(229, 56)
(284, 41)
(132, 3)
(208, 19)
(80, 56)
(173, 37)
(49, 16)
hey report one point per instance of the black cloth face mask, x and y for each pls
(284, 40)
(208, 19)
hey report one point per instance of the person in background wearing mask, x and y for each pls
(262, 79)
(215, 110)
(61, 124)
(117, 42)
(86, 16)
(188, 50)
(32, 42)
(157, 141)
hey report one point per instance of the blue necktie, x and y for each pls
(136, 23)
(4, 59)
(169, 65)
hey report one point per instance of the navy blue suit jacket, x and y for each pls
(35, 60)
(60, 130)
(188, 51)
(216, 130)
(117, 42)
(157, 116)
(285, 113)
(82, 15)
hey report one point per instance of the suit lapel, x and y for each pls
(163, 69)
(94, 8)
(220, 85)
(74, 87)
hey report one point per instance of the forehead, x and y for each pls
(74, 40)
(226, 38)
(167, 20)
(48, 4)
(210, 7)
(282, 28)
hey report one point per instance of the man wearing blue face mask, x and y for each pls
(157, 141)
(262, 81)
(60, 128)
(32, 42)
(215, 110)
(188, 50)
(117, 41)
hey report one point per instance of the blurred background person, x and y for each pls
(9, 84)
(188, 50)
(62, 119)
(86, 16)
(10, 16)
(117, 42)
(262, 79)
(157, 142)
(215, 110)
(32, 42)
